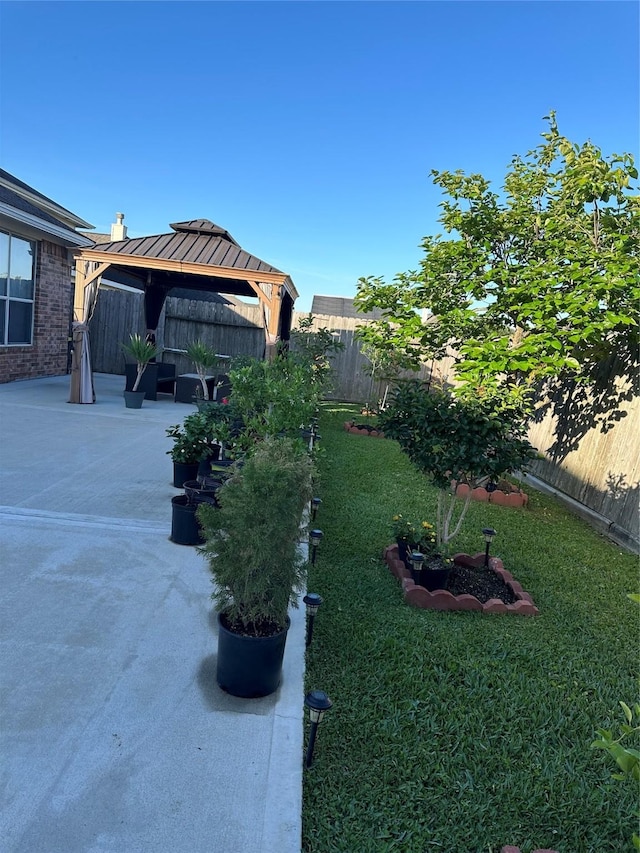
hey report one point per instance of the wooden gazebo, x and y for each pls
(198, 255)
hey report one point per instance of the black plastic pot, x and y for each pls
(249, 666)
(403, 550)
(183, 471)
(432, 579)
(218, 468)
(196, 493)
(205, 464)
(185, 529)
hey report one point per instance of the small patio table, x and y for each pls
(187, 385)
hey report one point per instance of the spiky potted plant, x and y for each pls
(204, 360)
(142, 352)
(252, 550)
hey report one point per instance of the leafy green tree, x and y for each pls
(272, 397)
(540, 281)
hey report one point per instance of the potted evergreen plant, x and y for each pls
(142, 352)
(252, 550)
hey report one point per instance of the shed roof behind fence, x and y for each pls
(340, 306)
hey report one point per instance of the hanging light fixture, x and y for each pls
(317, 702)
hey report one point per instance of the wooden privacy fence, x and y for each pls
(352, 381)
(590, 438)
(230, 329)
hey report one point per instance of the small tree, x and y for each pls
(315, 348)
(452, 439)
(382, 365)
(204, 359)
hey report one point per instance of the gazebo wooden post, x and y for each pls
(85, 295)
(82, 280)
(78, 293)
(273, 324)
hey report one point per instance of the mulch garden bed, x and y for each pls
(470, 586)
(484, 584)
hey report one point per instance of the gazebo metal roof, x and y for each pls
(199, 242)
(197, 255)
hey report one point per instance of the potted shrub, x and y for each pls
(252, 550)
(273, 397)
(142, 352)
(224, 425)
(420, 537)
(193, 441)
(406, 535)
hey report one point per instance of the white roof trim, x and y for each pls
(38, 224)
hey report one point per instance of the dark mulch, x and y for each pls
(483, 583)
(251, 629)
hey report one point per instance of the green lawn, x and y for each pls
(458, 732)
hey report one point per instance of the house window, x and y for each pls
(17, 266)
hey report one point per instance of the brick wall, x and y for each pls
(53, 298)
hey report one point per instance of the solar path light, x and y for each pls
(313, 602)
(489, 533)
(317, 702)
(314, 538)
(417, 562)
(315, 506)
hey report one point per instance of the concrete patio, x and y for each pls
(114, 735)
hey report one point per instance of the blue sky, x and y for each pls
(307, 129)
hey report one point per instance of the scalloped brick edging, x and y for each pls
(515, 498)
(442, 599)
(351, 427)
